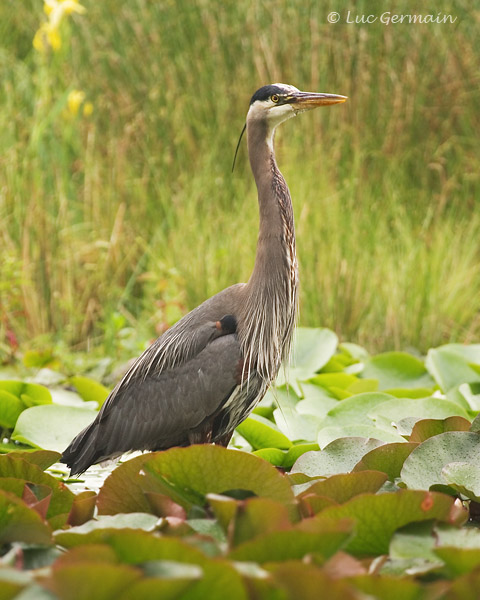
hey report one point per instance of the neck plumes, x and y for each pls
(271, 292)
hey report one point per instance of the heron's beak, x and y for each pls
(307, 100)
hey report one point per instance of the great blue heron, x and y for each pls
(204, 375)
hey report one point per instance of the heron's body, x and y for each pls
(203, 376)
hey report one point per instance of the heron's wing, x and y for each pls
(161, 409)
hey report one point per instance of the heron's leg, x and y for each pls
(225, 439)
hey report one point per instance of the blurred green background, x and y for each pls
(118, 208)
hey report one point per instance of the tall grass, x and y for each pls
(131, 216)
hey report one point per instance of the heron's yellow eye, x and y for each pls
(274, 98)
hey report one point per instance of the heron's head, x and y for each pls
(278, 102)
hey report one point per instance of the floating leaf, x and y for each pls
(295, 425)
(387, 588)
(420, 408)
(31, 393)
(122, 491)
(95, 531)
(344, 486)
(51, 427)
(377, 517)
(464, 477)
(427, 428)
(102, 581)
(90, 390)
(338, 457)
(328, 434)
(10, 409)
(423, 468)
(12, 581)
(312, 349)
(305, 581)
(257, 516)
(273, 455)
(295, 452)
(83, 508)
(450, 366)
(388, 458)
(62, 498)
(42, 458)
(19, 523)
(262, 433)
(293, 544)
(397, 370)
(188, 474)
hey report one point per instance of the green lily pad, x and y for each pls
(262, 433)
(258, 516)
(339, 456)
(377, 517)
(312, 349)
(188, 474)
(99, 580)
(295, 452)
(450, 365)
(423, 468)
(293, 544)
(420, 408)
(19, 523)
(397, 370)
(112, 498)
(90, 390)
(61, 499)
(95, 531)
(464, 477)
(51, 427)
(296, 426)
(10, 409)
(273, 455)
(345, 486)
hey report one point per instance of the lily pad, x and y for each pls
(51, 427)
(188, 474)
(262, 433)
(388, 458)
(339, 456)
(450, 365)
(377, 517)
(427, 428)
(95, 531)
(397, 370)
(312, 349)
(293, 544)
(19, 523)
(90, 390)
(423, 468)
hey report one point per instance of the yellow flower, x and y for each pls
(47, 36)
(48, 33)
(87, 109)
(74, 100)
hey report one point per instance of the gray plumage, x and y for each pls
(204, 375)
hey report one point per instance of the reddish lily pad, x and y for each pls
(19, 523)
(427, 428)
(344, 486)
(388, 458)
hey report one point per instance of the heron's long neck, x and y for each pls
(272, 289)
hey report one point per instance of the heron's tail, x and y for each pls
(82, 451)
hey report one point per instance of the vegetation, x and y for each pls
(376, 491)
(119, 213)
(119, 210)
